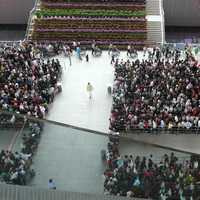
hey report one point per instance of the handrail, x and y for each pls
(14, 192)
(29, 19)
(158, 131)
(162, 21)
(159, 159)
(9, 41)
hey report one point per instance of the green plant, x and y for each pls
(89, 13)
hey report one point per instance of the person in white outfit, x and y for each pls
(89, 89)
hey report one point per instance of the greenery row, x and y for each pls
(88, 13)
(93, 6)
(89, 36)
(85, 24)
(96, 1)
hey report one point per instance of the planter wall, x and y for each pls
(106, 22)
(96, 1)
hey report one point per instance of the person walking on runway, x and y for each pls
(89, 89)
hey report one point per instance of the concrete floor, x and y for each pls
(128, 147)
(72, 158)
(183, 142)
(6, 136)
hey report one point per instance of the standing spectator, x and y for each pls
(110, 48)
(67, 52)
(93, 47)
(78, 51)
(87, 58)
(112, 59)
(51, 184)
(128, 50)
(74, 45)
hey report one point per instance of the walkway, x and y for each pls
(73, 106)
(72, 158)
(183, 142)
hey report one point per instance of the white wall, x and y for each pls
(15, 11)
(182, 12)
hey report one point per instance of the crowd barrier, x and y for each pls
(174, 130)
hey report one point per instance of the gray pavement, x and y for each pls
(183, 142)
(128, 147)
(72, 158)
(6, 136)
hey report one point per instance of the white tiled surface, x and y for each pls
(73, 106)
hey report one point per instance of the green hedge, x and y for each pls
(90, 36)
(89, 13)
(88, 24)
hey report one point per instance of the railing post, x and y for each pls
(162, 14)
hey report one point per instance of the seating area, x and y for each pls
(117, 22)
(157, 93)
(15, 167)
(149, 177)
(28, 83)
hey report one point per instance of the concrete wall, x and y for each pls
(182, 12)
(15, 11)
(177, 12)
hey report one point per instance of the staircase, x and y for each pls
(155, 22)
(153, 7)
(154, 32)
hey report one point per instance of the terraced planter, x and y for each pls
(120, 22)
(94, 6)
(89, 36)
(97, 1)
(89, 24)
(89, 13)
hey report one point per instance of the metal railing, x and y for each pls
(158, 131)
(13, 192)
(30, 19)
(162, 14)
(9, 42)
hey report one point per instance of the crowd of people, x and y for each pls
(145, 177)
(15, 168)
(158, 92)
(28, 83)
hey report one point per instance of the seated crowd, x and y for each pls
(15, 168)
(142, 177)
(27, 82)
(162, 91)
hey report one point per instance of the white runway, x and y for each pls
(73, 106)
